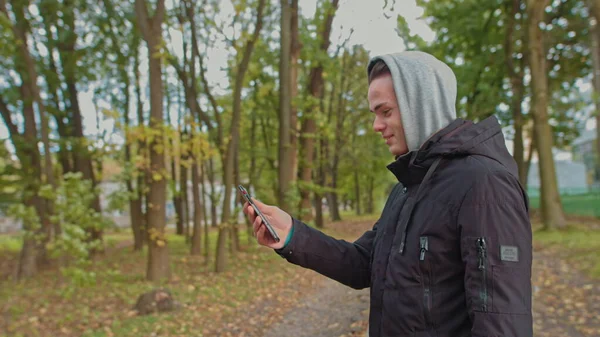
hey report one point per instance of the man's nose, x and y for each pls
(378, 125)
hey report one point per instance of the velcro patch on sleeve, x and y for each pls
(509, 253)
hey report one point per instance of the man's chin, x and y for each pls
(396, 152)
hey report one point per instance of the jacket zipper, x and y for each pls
(427, 300)
(482, 266)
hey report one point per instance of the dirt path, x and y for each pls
(333, 310)
(565, 302)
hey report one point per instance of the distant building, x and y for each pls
(570, 176)
(584, 151)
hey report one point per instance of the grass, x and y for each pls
(11, 243)
(49, 306)
(45, 306)
(580, 246)
(580, 204)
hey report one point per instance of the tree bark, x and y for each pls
(205, 210)
(309, 125)
(158, 257)
(213, 193)
(296, 47)
(318, 197)
(518, 90)
(196, 248)
(285, 108)
(138, 218)
(135, 202)
(220, 263)
(339, 134)
(370, 207)
(595, 37)
(357, 192)
(26, 143)
(184, 201)
(552, 212)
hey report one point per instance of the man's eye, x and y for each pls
(387, 112)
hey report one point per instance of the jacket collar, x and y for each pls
(411, 168)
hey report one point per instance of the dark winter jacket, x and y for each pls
(450, 255)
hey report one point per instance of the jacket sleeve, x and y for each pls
(346, 262)
(496, 250)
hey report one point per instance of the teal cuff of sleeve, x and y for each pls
(289, 236)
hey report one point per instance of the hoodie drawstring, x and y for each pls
(413, 202)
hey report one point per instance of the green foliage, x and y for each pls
(10, 179)
(72, 201)
(11, 243)
(28, 216)
(471, 36)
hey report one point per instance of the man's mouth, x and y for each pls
(388, 139)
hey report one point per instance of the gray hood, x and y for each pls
(426, 91)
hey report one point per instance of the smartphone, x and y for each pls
(246, 195)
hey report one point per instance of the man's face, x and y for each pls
(383, 103)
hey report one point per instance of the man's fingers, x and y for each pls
(249, 211)
(261, 232)
(245, 208)
(257, 223)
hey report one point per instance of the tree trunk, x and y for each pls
(158, 257)
(285, 108)
(178, 216)
(213, 194)
(518, 91)
(318, 197)
(339, 129)
(595, 37)
(205, 210)
(309, 125)
(532, 149)
(235, 134)
(295, 56)
(26, 144)
(177, 204)
(196, 248)
(221, 251)
(136, 217)
(185, 218)
(552, 213)
(252, 170)
(370, 200)
(140, 217)
(357, 192)
(235, 234)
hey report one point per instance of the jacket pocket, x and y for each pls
(426, 277)
(478, 276)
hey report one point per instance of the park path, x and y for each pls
(333, 310)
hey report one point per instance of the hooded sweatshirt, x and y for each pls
(426, 92)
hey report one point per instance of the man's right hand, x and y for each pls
(279, 220)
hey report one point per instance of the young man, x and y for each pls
(451, 254)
